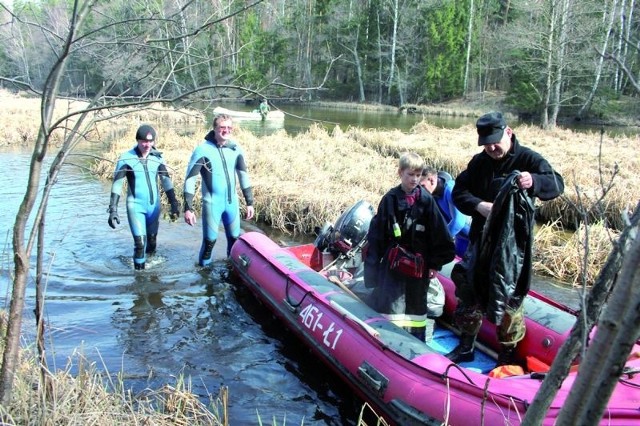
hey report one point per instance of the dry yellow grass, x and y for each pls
(92, 397)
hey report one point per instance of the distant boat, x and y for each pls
(249, 115)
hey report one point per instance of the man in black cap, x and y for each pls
(142, 166)
(474, 194)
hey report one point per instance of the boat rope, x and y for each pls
(445, 375)
(447, 410)
(289, 301)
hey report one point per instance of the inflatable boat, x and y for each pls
(408, 381)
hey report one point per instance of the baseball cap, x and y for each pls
(490, 128)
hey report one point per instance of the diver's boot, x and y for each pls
(151, 244)
(206, 252)
(507, 355)
(464, 352)
(230, 242)
(138, 252)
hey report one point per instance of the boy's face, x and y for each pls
(409, 179)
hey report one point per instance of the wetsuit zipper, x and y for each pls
(146, 173)
(226, 174)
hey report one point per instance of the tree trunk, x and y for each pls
(550, 68)
(560, 59)
(468, 58)
(598, 72)
(394, 42)
(20, 250)
(604, 362)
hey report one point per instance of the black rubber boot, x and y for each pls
(138, 252)
(507, 356)
(465, 351)
(207, 251)
(151, 244)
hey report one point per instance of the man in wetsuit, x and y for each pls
(142, 166)
(218, 160)
(264, 109)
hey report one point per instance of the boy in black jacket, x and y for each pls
(408, 242)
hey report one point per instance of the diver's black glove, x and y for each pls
(113, 219)
(175, 211)
(113, 211)
(175, 206)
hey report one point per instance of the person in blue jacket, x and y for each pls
(217, 160)
(142, 167)
(440, 185)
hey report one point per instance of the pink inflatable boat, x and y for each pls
(409, 381)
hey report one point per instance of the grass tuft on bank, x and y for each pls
(80, 394)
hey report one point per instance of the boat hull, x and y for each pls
(407, 381)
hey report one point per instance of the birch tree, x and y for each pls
(609, 16)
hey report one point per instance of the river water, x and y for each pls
(172, 318)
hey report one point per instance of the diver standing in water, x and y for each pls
(142, 166)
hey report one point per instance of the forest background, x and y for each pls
(549, 57)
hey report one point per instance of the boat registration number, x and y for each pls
(311, 317)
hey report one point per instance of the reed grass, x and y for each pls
(91, 397)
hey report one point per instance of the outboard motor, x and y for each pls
(348, 234)
(350, 230)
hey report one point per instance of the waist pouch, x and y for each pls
(405, 262)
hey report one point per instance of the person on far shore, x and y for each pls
(217, 160)
(142, 166)
(494, 275)
(440, 186)
(408, 242)
(264, 108)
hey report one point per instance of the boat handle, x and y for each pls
(373, 378)
(244, 261)
(375, 384)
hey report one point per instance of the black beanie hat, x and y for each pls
(146, 133)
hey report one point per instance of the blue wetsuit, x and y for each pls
(218, 166)
(143, 197)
